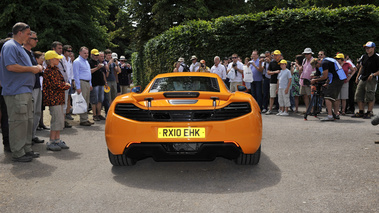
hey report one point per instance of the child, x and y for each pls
(283, 87)
(53, 96)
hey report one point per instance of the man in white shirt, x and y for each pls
(218, 68)
(235, 66)
(67, 64)
(58, 48)
(182, 65)
(195, 65)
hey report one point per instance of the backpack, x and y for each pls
(341, 74)
(185, 67)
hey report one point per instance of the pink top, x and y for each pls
(346, 66)
(307, 71)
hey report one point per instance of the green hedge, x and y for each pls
(343, 29)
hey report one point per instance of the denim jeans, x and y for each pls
(266, 93)
(256, 92)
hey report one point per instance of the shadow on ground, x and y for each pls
(219, 176)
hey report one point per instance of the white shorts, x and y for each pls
(248, 85)
(272, 90)
(284, 99)
(344, 94)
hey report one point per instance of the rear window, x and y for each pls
(185, 83)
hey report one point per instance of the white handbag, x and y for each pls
(79, 104)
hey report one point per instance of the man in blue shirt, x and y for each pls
(18, 78)
(82, 77)
(256, 68)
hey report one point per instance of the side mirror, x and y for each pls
(241, 88)
(136, 89)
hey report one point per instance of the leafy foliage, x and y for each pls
(343, 29)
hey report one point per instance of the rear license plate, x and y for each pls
(181, 132)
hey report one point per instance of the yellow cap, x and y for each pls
(95, 52)
(283, 61)
(107, 89)
(340, 55)
(52, 54)
(277, 52)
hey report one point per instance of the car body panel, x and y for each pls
(244, 131)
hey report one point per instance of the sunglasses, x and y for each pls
(24, 28)
(68, 51)
(234, 57)
(35, 39)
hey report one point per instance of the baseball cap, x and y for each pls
(114, 56)
(277, 52)
(95, 52)
(52, 54)
(340, 56)
(122, 58)
(193, 57)
(369, 44)
(202, 61)
(283, 61)
(262, 55)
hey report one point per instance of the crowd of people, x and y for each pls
(31, 80)
(274, 81)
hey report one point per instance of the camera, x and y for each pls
(234, 65)
(202, 65)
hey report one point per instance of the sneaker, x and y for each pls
(24, 158)
(63, 145)
(53, 146)
(85, 123)
(33, 154)
(268, 112)
(368, 115)
(336, 116)
(264, 110)
(358, 115)
(279, 113)
(69, 117)
(284, 114)
(67, 125)
(37, 140)
(375, 120)
(101, 117)
(327, 119)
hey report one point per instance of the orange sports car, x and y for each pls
(188, 116)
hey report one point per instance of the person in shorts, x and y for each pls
(54, 87)
(283, 88)
(334, 87)
(367, 80)
(98, 82)
(273, 71)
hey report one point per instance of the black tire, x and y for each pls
(120, 160)
(249, 159)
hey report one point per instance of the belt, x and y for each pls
(84, 80)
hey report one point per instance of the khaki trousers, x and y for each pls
(86, 89)
(20, 113)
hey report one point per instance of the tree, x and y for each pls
(74, 22)
(153, 17)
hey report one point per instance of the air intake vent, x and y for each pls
(231, 111)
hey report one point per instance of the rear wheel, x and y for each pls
(249, 159)
(120, 160)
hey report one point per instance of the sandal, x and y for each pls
(358, 115)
